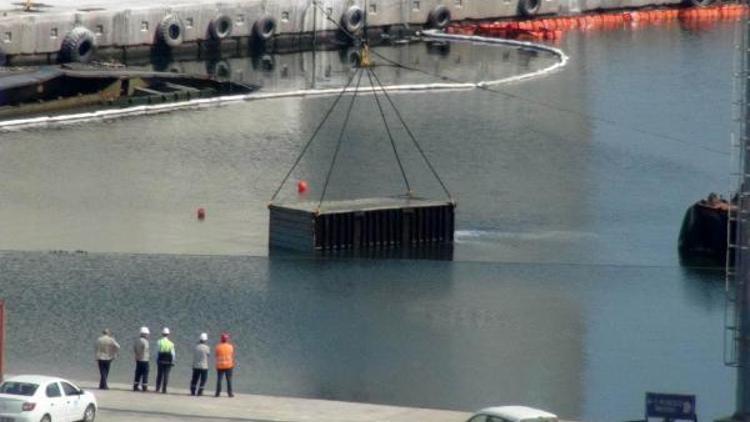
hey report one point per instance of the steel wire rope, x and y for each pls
(340, 139)
(578, 113)
(413, 138)
(398, 114)
(315, 133)
(390, 135)
(526, 99)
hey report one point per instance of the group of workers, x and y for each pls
(107, 350)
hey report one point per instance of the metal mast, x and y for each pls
(737, 315)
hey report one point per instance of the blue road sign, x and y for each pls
(670, 406)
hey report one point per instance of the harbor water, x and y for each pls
(564, 289)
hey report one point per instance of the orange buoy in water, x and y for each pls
(201, 213)
(302, 186)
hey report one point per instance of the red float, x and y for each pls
(302, 186)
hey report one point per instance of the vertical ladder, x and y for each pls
(738, 246)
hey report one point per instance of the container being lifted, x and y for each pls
(403, 221)
(361, 223)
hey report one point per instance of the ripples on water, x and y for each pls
(565, 290)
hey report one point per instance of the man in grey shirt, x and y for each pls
(200, 365)
(106, 351)
(140, 350)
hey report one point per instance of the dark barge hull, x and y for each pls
(704, 233)
(361, 224)
(60, 88)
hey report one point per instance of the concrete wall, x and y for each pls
(135, 23)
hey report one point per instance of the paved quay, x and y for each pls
(120, 404)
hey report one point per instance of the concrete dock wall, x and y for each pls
(48, 29)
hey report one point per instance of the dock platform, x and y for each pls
(361, 224)
(120, 404)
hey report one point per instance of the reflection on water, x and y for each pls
(586, 342)
(565, 291)
(331, 68)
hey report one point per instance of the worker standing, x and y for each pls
(140, 350)
(106, 351)
(164, 360)
(224, 364)
(200, 365)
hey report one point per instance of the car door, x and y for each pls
(73, 402)
(55, 402)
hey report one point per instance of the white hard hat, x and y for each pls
(144, 330)
(203, 337)
(165, 331)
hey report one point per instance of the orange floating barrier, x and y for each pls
(552, 28)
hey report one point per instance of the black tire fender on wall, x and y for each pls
(171, 31)
(221, 27)
(78, 45)
(529, 7)
(265, 28)
(439, 17)
(353, 20)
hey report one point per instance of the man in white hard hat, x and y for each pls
(164, 360)
(200, 365)
(140, 350)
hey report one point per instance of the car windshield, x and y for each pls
(18, 388)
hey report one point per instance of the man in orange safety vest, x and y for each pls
(224, 364)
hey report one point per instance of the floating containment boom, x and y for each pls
(361, 223)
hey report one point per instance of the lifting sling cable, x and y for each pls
(411, 135)
(341, 138)
(390, 135)
(393, 105)
(398, 114)
(315, 133)
(579, 113)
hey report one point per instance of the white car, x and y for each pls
(511, 414)
(36, 398)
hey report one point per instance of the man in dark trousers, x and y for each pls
(164, 360)
(106, 351)
(200, 365)
(224, 364)
(141, 352)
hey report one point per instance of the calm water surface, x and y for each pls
(565, 291)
